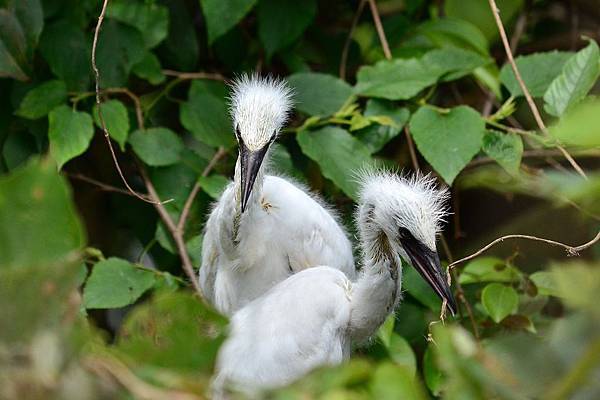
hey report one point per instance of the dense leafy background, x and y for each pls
(94, 303)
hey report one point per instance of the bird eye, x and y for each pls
(404, 233)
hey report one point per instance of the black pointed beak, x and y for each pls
(250, 162)
(427, 263)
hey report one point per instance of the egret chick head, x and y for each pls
(259, 107)
(403, 203)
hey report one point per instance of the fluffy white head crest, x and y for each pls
(413, 202)
(259, 107)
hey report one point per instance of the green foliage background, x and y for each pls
(93, 299)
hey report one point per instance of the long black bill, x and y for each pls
(427, 263)
(250, 162)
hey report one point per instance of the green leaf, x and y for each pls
(395, 382)
(205, 114)
(416, 286)
(445, 32)
(580, 126)
(67, 50)
(149, 69)
(402, 354)
(162, 332)
(375, 136)
(120, 47)
(448, 141)
(115, 283)
(42, 99)
(434, 379)
(213, 185)
(281, 22)
(505, 148)
(157, 146)
(538, 70)
(385, 331)
(116, 119)
(148, 17)
(181, 47)
(38, 222)
(576, 79)
(330, 147)
(479, 14)
(221, 16)
(70, 133)
(319, 94)
(488, 269)
(499, 301)
(398, 79)
(21, 23)
(281, 161)
(453, 62)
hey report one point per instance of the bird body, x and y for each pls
(263, 227)
(311, 319)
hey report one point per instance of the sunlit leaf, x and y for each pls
(448, 141)
(157, 146)
(148, 17)
(402, 354)
(392, 381)
(488, 269)
(42, 99)
(580, 126)
(578, 76)
(544, 282)
(115, 283)
(330, 147)
(499, 301)
(505, 148)
(434, 379)
(538, 70)
(310, 89)
(69, 133)
(116, 119)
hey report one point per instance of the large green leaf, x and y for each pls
(402, 354)
(221, 16)
(444, 32)
(479, 14)
(505, 148)
(453, 62)
(116, 283)
(148, 17)
(21, 23)
(149, 68)
(396, 79)
(164, 331)
(488, 269)
(38, 222)
(416, 286)
(319, 94)
(499, 301)
(580, 126)
(120, 47)
(339, 154)
(67, 51)
(375, 136)
(578, 76)
(448, 141)
(205, 114)
(395, 382)
(157, 146)
(69, 133)
(116, 119)
(42, 99)
(538, 70)
(213, 185)
(281, 22)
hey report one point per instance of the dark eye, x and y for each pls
(404, 233)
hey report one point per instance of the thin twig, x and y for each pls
(188, 202)
(346, 48)
(571, 250)
(99, 103)
(411, 148)
(194, 75)
(101, 185)
(530, 102)
(379, 27)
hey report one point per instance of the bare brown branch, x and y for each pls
(530, 102)
(194, 75)
(571, 250)
(380, 32)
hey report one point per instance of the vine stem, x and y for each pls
(571, 250)
(530, 102)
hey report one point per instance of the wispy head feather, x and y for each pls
(412, 201)
(259, 107)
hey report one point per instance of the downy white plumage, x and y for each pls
(264, 228)
(312, 318)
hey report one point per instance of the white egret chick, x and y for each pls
(313, 317)
(264, 228)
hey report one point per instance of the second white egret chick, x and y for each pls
(264, 228)
(312, 318)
